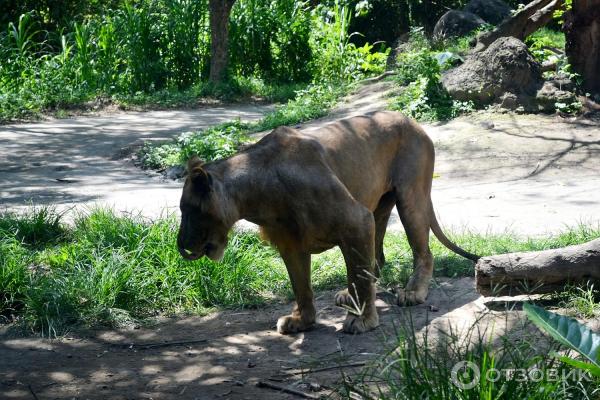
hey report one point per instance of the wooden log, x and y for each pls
(539, 272)
(522, 24)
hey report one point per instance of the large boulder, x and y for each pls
(491, 11)
(456, 23)
(505, 72)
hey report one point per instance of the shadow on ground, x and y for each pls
(236, 349)
(86, 159)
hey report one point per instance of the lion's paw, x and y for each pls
(360, 324)
(343, 298)
(292, 324)
(410, 297)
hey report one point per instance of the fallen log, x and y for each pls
(539, 272)
(522, 24)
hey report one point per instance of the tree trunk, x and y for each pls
(539, 271)
(582, 28)
(219, 38)
(535, 15)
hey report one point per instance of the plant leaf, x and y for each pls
(567, 331)
(594, 370)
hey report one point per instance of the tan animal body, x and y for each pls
(312, 191)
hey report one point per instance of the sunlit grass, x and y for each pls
(105, 267)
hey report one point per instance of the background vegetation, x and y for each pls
(150, 51)
(57, 54)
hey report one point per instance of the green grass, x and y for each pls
(510, 367)
(225, 139)
(105, 269)
(234, 90)
(582, 302)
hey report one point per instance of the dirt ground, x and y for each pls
(234, 350)
(531, 174)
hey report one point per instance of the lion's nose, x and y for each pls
(186, 253)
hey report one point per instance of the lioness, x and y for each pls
(311, 191)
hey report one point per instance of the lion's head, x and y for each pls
(204, 225)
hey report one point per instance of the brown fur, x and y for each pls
(311, 191)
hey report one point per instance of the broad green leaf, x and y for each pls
(567, 331)
(594, 370)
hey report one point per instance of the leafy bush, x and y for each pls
(419, 71)
(270, 39)
(335, 56)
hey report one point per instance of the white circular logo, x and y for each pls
(465, 375)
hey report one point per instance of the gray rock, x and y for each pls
(175, 172)
(506, 66)
(491, 11)
(456, 23)
(550, 94)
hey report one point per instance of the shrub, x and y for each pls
(419, 71)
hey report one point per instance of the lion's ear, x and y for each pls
(201, 180)
(194, 162)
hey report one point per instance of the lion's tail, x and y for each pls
(437, 231)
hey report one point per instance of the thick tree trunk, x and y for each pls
(582, 28)
(540, 271)
(219, 38)
(535, 15)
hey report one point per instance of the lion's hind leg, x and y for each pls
(413, 207)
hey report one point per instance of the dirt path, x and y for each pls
(85, 160)
(533, 174)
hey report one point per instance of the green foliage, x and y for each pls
(224, 140)
(335, 56)
(214, 143)
(109, 269)
(310, 103)
(416, 366)
(270, 39)
(158, 51)
(419, 70)
(583, 302)
(559, 14)
(546, 44)
(570, 333)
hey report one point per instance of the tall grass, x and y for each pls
(428, 366)
(105, 267)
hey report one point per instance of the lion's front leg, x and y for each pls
(358, 248)
(303, 315)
